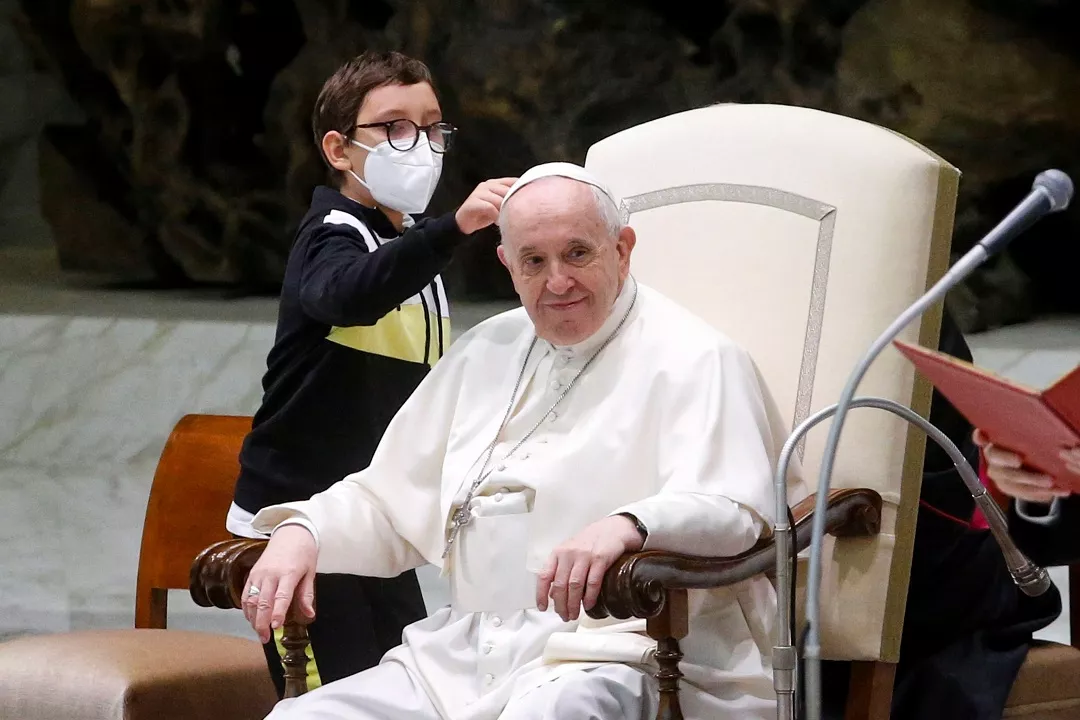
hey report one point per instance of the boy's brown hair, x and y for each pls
(344, 92)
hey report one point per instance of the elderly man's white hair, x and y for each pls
(606, 204)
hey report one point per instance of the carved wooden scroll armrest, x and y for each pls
(635, 585)
(218, 576)
(653, 584)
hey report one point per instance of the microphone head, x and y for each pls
(1032, 580)
(1057, 186)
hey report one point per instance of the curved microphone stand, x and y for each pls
(1051, 192)
(1031, 578)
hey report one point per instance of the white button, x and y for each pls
(496, 620)
(487, 648)
(497, 497)
(502, 466)
(553, 416)
(488, 679)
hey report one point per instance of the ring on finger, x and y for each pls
(253, 591)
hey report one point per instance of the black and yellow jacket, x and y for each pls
(362, 318)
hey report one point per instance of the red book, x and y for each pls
(1037, 425)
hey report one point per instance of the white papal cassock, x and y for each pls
(669, 423)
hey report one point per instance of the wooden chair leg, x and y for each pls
(295, 641)
(870, 692)
(668, 628)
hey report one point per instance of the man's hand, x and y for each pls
(1007, 471)
(287, 563)
(574, 573)
(481, 208)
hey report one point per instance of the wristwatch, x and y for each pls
(638, 524)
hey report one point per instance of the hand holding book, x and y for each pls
(1006, 469)
(1033, 435)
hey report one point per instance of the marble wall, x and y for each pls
(87, 405)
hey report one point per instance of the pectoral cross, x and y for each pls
(461, 517)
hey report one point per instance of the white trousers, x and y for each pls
(390, 692)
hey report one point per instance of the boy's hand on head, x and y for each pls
(481, 208)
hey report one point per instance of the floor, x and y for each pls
(92, 382)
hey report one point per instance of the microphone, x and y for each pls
(1029, 577)
(1051, 192)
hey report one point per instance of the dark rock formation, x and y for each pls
(198, 160)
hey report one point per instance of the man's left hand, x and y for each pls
(575, 572)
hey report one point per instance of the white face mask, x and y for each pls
(402, 181)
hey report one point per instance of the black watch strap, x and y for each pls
(638, 524)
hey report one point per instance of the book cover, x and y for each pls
(1037, 425)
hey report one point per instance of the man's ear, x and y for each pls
(625, 243)
(501, 252)
(333, 147)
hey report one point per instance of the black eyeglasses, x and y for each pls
(404, 134)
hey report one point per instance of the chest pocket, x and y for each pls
(488, 571)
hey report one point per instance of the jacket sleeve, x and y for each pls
(1054, 540)
(716, 463)
(342, 283)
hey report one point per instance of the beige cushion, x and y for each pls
(134, 675)
(802, 235)
(1048, 686)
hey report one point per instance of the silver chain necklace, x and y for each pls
(463, 515)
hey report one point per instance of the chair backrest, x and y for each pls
(189, 499)
(802, 235)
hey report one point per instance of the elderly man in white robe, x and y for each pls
(598, 419)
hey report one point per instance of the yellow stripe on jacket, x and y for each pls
(400, 334)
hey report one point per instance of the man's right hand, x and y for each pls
(286, 569)
(481, 208)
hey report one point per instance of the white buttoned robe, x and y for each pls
(670, 423)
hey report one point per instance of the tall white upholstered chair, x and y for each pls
(802, 235)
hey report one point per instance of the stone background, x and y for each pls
(181, 152)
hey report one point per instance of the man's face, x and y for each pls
(566, 267)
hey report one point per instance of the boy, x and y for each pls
(362, 319)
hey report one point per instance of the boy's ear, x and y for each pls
(333, 148)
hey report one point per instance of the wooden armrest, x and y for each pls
(219, 572)
(217, 579)
(637, 584)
